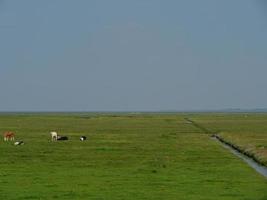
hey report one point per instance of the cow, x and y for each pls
(19, 143)
(82, 138)
(54, 136)
(9, 136)
(62, 138)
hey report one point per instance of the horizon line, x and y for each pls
(227, 110)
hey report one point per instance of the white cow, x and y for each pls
(54, 136)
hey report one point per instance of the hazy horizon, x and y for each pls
(122, 55)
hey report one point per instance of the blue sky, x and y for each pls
(132, 55)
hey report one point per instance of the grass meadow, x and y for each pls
(128, 156)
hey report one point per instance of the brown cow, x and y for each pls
(9, 136)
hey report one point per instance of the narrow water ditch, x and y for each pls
(252, 163)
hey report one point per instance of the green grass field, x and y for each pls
(145, 156)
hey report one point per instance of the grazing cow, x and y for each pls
(9, 136)
(54, 136)
(19, 143)
(82, 138)
(62, 138)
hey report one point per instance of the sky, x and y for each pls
(132, 55)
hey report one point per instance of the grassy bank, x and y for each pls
(125, 157)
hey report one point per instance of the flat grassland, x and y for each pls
(126, 156)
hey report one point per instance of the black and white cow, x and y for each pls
(82, 138)
(19, 143)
